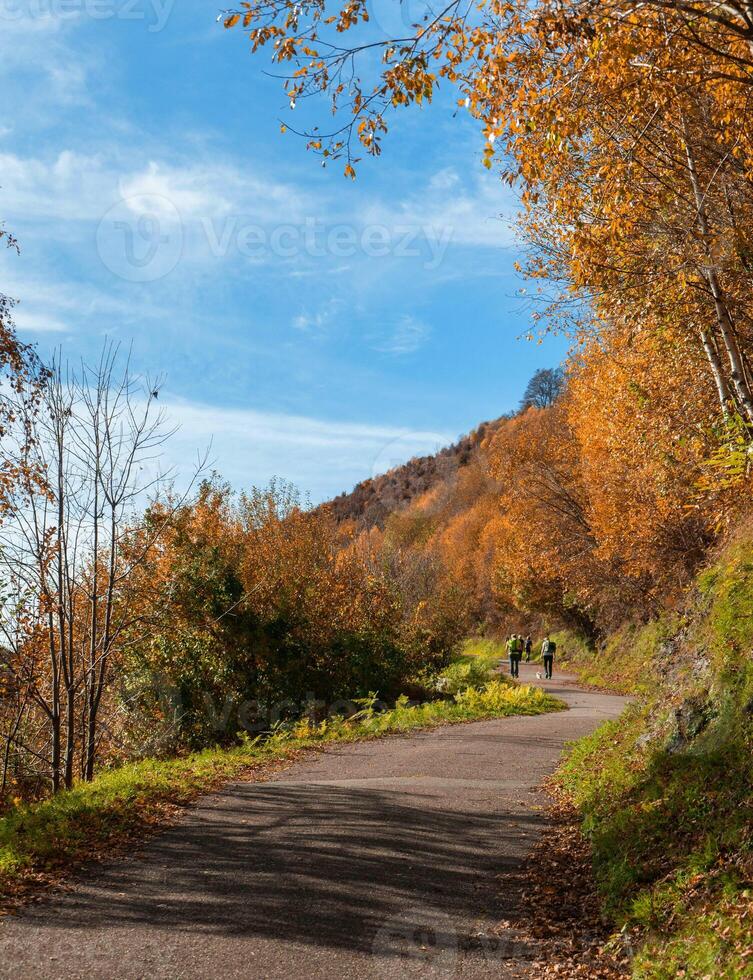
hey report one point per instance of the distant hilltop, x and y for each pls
(371, 502)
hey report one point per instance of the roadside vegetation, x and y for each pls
(666, 792)
(623, 661)
(476, 660)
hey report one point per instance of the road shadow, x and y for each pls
(317, 864)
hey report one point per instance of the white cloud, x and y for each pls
(443, 180)
(210, 191)
(28, 321)
(310, 321)
(41, 61)
(83, 187)
(69, 187)
(480, 212)
(68, 83)
(321, 457)
(50, 306)
(183, 190)
(223, 201)
(313, 322)
(408, 335)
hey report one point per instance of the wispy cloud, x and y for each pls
(479, 211)
(58, 79)
(321, 457)
(215, 189)
(28, 321)
(67, 304)
(315, 321)
(407, 336)
(83, 187)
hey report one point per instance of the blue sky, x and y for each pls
(312, 327)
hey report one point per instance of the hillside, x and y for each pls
(371, 502)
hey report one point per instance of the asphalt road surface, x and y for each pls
(383, 859)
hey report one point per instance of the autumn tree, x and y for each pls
(85, 453)
(626, 141)
(624, 128)
(260, 606)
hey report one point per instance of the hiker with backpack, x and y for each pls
(529, 647)
(548, 648)
(515, 652)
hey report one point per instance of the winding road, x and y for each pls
(383, 859)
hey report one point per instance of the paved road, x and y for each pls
(382, 859)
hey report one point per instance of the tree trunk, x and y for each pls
(712, 354)
(737, 374)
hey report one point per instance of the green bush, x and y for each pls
(462, 674)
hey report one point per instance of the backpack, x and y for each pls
(551, 647)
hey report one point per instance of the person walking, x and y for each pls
(515, 650)
(547, 652)
(529, 647)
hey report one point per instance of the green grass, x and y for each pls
(121, 805)
(484, 651)
(628, 662)
(666, 792)
(671, 840)
(573, 652)
(473, 665)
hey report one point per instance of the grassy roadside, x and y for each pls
(666, 792)
(671, 841)
(624, 664)
(473, 664)
(43, 842)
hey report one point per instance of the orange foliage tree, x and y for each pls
(261, 609)
(625, 128)
(623, 125)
